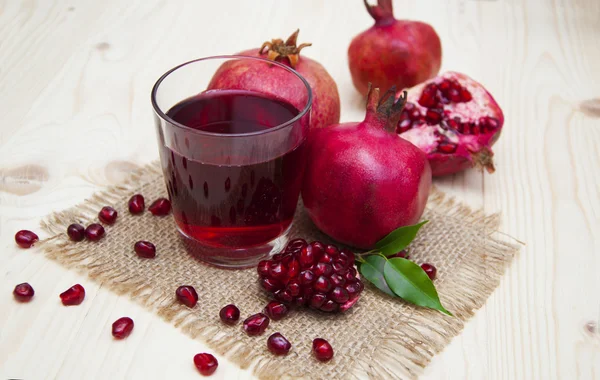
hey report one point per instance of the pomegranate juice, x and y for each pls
(237, 200)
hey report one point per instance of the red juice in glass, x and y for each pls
(233, 163)
(222, 204)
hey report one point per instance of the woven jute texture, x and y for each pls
(379, 337)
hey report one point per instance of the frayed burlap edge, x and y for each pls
(404, 353)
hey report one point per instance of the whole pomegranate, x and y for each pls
(362, 181)
(392, 52)
(454, 120)
(255, 76)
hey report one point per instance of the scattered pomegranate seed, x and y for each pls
(322, 349)
(136, 204)
(122, 327)
(73, 296)
(160, 207)
(107, 215)
(145, 249)
(278, 345)
(430, 270)
(23, 292)
(76, 232)
(276, 310)
(229, 314)
(402, 254)
(206, 363)
(94, 232)
(186, 294)
(26, 238)
(256, 324)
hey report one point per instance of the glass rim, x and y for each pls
(167, 118)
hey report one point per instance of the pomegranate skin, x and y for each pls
(392, 52)
(256, 76)
(362, 181)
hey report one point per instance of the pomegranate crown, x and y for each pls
(384, 111)
(277, 49)
(383, 12)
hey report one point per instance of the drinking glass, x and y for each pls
(233, 153)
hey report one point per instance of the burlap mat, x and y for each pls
(380, 337)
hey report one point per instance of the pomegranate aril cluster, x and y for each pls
(314, 275)
(433, 98)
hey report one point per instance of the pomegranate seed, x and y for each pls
(307, 277)
(160, 207)
(276, 310)
(122, 327)
(452, 123)
(322, 285)
(293, 287)
(323, 269)
(107, 215)
(206, 363)
(270, 285)
(454, 95)
(295, 245)
(94, 232)
(284, 296)
(337, 280)
(229, 314)
(76, 232)
(73, 296)
(317, 300)
(186, 294)
(307, 258)
(402, 254)
(430, 270)
(145, 249)
(23, 292)
(353, 288)
(329, 306)
(278, 271)
(256, 324)
(322, 349)
(339, 295)
(465, 95)
(136, 204)
(447, 147)
(433, 116)
(278, 345)
(26, 238)
(427, 98)
(475, 129)
(263, 268)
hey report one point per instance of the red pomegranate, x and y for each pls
(255, 76)
(392, 52)
(454, 120)
(361, 180)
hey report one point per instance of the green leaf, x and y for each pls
(410, 282)
(398, 239)
(372, 269)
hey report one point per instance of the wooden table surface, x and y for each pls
(75, 80)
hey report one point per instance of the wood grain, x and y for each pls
(75, 78)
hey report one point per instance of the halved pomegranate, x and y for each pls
(454, 120)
